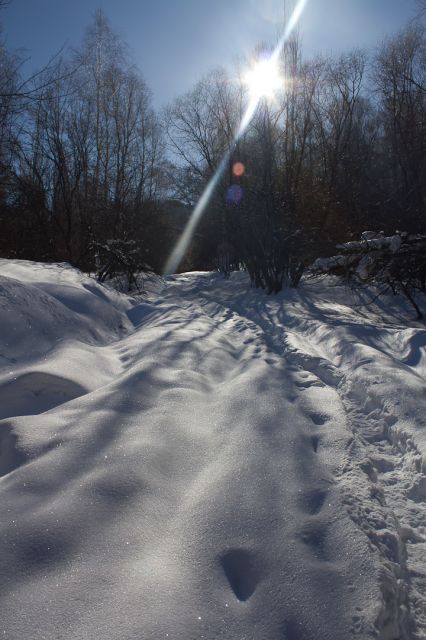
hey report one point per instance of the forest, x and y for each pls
(87, 163)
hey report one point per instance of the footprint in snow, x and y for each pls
(319, 418)
(314, 536)
(390, 420)
(315, 442)
(270, 361)
(383, 464)
(242, 572)
(313, 501)
(293, 630)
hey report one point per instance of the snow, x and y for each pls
(206, 461)
(370, 241)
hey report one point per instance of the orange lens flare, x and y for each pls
(238, 169)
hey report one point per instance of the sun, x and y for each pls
(263, 79)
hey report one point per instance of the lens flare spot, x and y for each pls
(238, 169)
(234, 194)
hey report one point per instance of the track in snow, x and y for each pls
(384, 466)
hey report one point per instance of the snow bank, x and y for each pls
(42, 304)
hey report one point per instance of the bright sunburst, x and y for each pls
(263, 79)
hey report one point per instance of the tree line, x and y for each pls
(82, 153)
(85, 159)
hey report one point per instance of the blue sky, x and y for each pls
(175, 42)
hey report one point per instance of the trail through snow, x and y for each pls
(207, 463)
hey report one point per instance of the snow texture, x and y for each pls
(209, 462)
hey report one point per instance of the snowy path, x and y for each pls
(382, 394)
(221, 471)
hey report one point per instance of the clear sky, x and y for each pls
(174, 42)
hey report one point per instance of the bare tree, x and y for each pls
(201, 124)
(88, 150)
(400, 76)
(422, 7)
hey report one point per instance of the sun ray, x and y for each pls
(256, 95)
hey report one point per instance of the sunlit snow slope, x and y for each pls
(208, 462)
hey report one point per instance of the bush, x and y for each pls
(398, 262)
(120, 259)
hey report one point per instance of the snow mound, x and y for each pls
(42, 304)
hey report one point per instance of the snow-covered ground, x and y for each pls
(209, 462)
